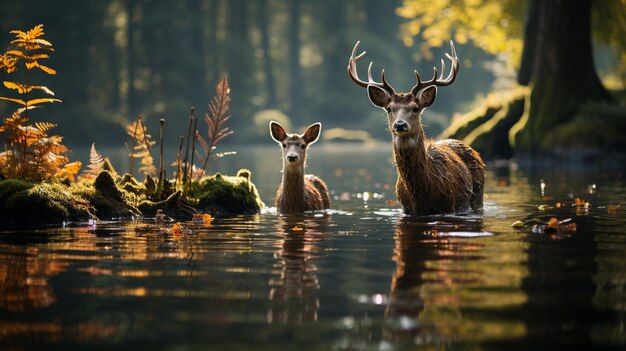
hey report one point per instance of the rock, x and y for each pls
(22, 201)
(174, 207)
(226, 195)
(108, 200)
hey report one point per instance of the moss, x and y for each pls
(465, 124)
(42, 202)
(9, 187)
(491, 138)
(174, 206)
(108, 199)
(596, 129)
(129, 184)
(221, 194)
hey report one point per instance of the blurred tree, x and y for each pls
(556, 61)
(558, 65)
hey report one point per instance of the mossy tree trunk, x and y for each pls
(557, 63)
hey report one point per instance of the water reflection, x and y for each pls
(294, 286)
(366, 278)
(441, 278)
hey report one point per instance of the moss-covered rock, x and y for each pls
(42, 203)
(488, 128)
(129, 184)
(175, 206)
(104, 199)
(219, 194)
(108, 199)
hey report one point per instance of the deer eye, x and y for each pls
(416, 109)
(284, 145)
(303, 146)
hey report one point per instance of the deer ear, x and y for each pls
(427, 96)
(312, 133)
(378, 96)
(278, 132)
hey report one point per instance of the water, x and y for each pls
(359, 277)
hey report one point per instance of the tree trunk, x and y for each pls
(270, 85)
(295, 71)
(563, 74)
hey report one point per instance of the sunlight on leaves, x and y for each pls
(494, 26)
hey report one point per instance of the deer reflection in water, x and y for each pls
(295, 284)
(426, 283)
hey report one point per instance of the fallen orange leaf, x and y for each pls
(297, 229)
(203, 218)
(612, 209)
(177, 230)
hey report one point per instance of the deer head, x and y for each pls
(294, 146)
(403, 109)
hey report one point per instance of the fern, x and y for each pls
(96, 163)
(216, 119)
(30, 151)
(141, 145)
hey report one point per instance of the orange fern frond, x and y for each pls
(216, 119)
(44, 126)
(69, 171)
(141, 146)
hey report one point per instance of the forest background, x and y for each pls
(286, 60)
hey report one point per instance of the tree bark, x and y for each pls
(295, 71)
(270, 85)
(563, 74)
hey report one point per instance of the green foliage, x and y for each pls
(492, 25)
(609, 27)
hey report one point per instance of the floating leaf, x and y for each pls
(176, 230)
(518, 224)
(612, 209)
(297, 229)
(203, 218)
(544, 207)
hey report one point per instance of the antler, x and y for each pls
(370, 81)
(419, 85)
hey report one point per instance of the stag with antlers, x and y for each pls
(434, 177)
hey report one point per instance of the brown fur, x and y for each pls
(433, 177)
(298, 192)
(446, 176)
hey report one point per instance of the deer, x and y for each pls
(298, 192)
(434, 177)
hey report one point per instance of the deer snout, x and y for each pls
(292, 157)
(400, 126)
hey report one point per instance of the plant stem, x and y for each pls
(193, 149)
(162, 126)
(191, 119)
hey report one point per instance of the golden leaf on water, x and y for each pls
(176, 230)
(544, 207)
(612, 209)
(297, 229)
(202, 218)
(518, 224)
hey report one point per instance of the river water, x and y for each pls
(358, 277)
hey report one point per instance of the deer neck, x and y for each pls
(293, 189)
(410, 157)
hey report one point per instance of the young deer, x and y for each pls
(433, 177)
(297, 192)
